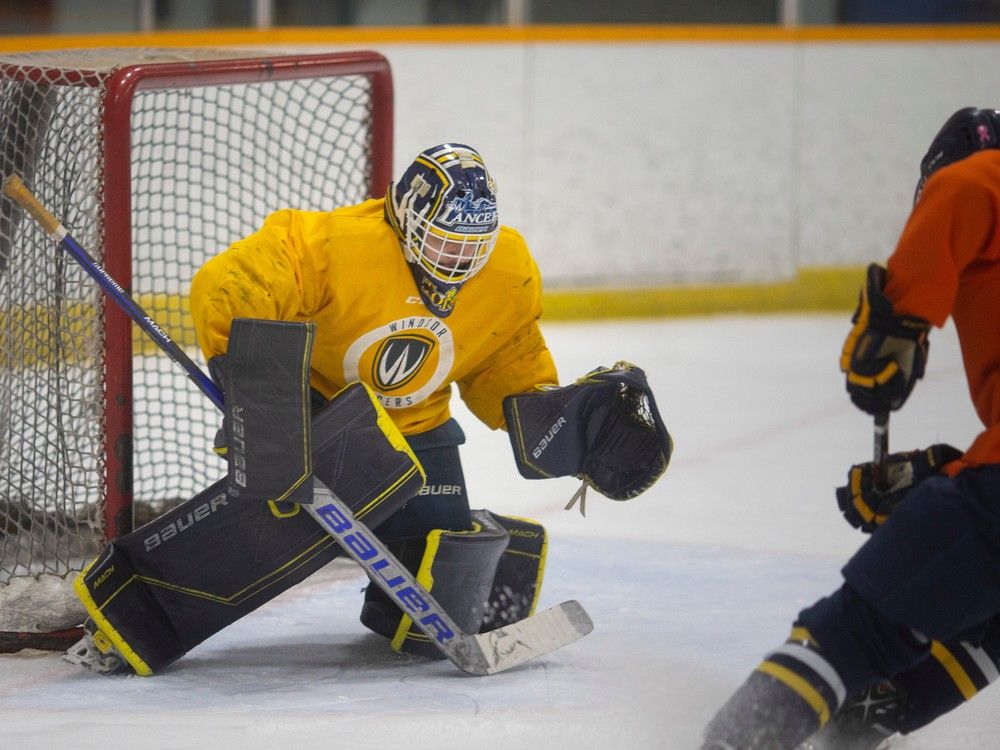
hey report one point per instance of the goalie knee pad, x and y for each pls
(518, 580)
(485, 578)
(457, 567)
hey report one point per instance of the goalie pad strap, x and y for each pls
(267, 410)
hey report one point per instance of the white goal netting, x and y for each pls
(152, 172)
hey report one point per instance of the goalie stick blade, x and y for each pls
(514, 644)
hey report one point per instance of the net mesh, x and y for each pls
(208, 162)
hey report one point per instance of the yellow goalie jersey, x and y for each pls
(345, 271)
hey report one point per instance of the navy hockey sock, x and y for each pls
(792, 693)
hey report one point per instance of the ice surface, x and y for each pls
(688, 585)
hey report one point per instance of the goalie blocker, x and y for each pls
(156, 593)
(604, 429)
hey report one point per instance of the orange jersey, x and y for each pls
(344, 270)
(947, 262)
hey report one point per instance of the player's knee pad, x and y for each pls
(518, 580)
(457, 567)
(484, 578)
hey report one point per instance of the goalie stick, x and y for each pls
(474, 653)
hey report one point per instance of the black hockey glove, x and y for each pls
(866, 507)
(604, 429)
(885, 353)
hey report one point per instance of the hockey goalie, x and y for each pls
(336, 338)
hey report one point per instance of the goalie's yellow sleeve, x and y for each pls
(345, 271)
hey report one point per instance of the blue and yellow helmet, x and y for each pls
(444, 210)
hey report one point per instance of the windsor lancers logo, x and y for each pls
(465, 215)
(398, 360)
(404, 361)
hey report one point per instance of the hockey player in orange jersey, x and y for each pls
(410, 294)
(915, 628)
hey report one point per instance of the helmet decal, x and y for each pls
(465, 214)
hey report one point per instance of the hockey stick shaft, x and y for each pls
(15, 189)
(478, 654)
(880, 451)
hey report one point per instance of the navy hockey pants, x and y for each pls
(921, 598)
(443, 503)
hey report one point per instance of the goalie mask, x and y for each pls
(444, 211)
(967, 131)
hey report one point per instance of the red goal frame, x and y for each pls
(117, 203)
(121, 75)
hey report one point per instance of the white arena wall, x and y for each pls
(673, 162)
(670, 157)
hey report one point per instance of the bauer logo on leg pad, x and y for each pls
(349, 534)
(238, 446)
(180, 521)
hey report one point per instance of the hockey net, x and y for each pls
(155, 160)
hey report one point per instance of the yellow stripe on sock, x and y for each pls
(800, 686)
(958, 675)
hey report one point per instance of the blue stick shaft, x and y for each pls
(15, 189)
(125, 301)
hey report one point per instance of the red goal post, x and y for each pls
(155, 159)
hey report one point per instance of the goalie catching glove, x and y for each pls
(604, 429)
(865, 507)
(885, 353)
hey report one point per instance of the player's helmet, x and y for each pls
(444, 211)
(968, 130)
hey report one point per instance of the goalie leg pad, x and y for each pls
(169, 585)
(518, 580)
(457, 567)
(145, 639)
